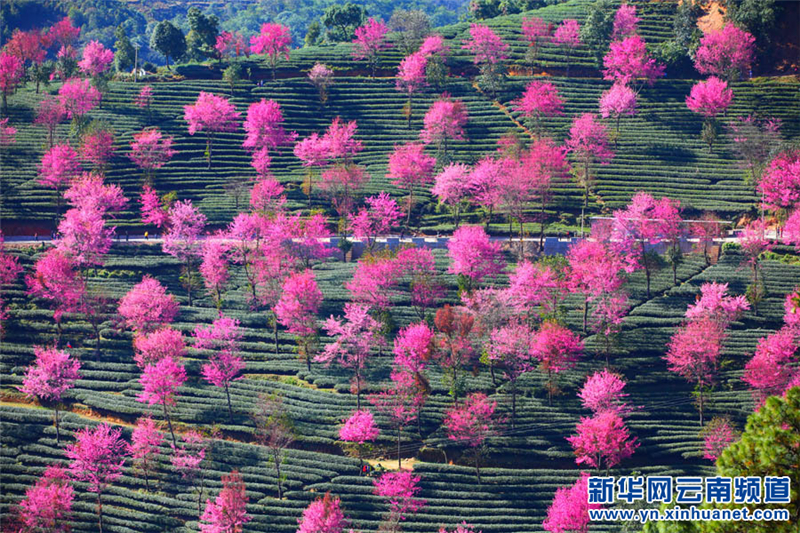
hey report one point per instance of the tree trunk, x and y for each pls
(513, 404)
(410, 205)
(58, 432)
(276, 455)
(585, 314)
(399, 463)
(275, 333)
(230, 408)
(208, 149)
(358, 391)
(99, 513)
(478, 466)
(169, 425)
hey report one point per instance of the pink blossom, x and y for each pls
(770, 371)
(147, 305)
(411, 75)
(152, 210)
(413, 347)
(150, 149)
(160, 382)
(602, 441)
(714, 303)
(323, 515)
(83, 236)
(717, 435)
(211, 114)
(48, 504)
(54, 278)
(186, 224)
(569, 512)
(486, 45)
(53, 373)
(150, 348)
(791, 307)
(534, 286)
(8, 134)
(59, 166)
(299, 303)
(189, 455)
(463, 527)
(359, 428)
(710, 97)
(370, 40)
(98, 148)
(444, 121)
(727, 52)
(50, 113)
(568, 34)
(63, 32)
(375, 281)
(473, 421)
(214, 266)
(603, 392)
(144, 446)
(540, 99)
(791, 229)
(780, 183)
(473, 255)
(400, 489)
(588, 140)
(78, 97)
(536, 31)
(452, 184)
(628, 61)
(340, 183)
(617, 101)
(90, 192)
(11, 73)
(273, 41)
(380, 216)
(433, 45)
(144, 99)
(556, 348)
(340, 142)
(625, 22)
(227, 514)
(264, 126)
(96, 59)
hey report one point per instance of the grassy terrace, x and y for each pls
(527, 464)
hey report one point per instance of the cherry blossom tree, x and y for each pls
(356, 335)
(370, 40)
(754, 242)
(96, 59)
(359, 429)
(627, 62)
(411, 77)
(780, 184)
(452, 188)
(342, 178)
(535, 290)
(410, 166)
(418, 267)
(619, 100)
(489, 52)
(693, 353)
(53, 373)
(401, 490)
(212, 114)
(144, 99)
(323, 515)
(151, 150)
(11, 76)
(588, 143)
(63, 32)
(313, 152)
(454, 345)
(603, 391)
(709, 98)
(473, 256)
(228, 513)
(434, 49)
(56, 279)
(569, 511)
(182, 240)
(400, 402)
(214, 268)
(150, 348)
(59, 167)
(542, 166)
(98, 148)
(97, 457)
(321, 77)
(557, 349)
(717, 435)
(50, 113)
(297, 310)
(8, 134)
(264, 126)
(225, 364)
(769, 371)
(377, 218)
(791, 229)
(187, 459)
(625, 22)
(510, 349)
(715, 304)
(602, 441)
(48, 503)
(726, 53)
(443, 123)
(78, 97)
(568, 35)
(144, 447)
(540, 99)
(537, 32)
(9, 270)
(160, 383)
(147, 306)
(273, 41)
(275, 430)
(471, 423)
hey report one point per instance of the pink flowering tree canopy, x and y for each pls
(225, 364)
(443, 123)
(97, 457)
(536, 31)
(473, 255)
(370, 40)
(144, 447)
(401, 490)
(78, 97)
(227, 513)
(710, 97)
(557, 349)
(96, 59)
(273, 41)
(472, 422)
(780, 183)
(540, 99)
(48, 503)
(211, 114)
(629, 63)
(410, 166)
(147, 305)
(602, 441)
(717, 435)
(323, 515)
(569, 511)
(603, 391)
(151, 150)
(150, 348)
(625, 22)
(727, 53)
